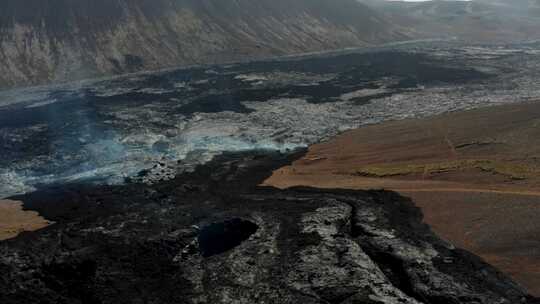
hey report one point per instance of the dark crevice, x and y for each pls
(220, 237)
(395, 270)
(392, 267)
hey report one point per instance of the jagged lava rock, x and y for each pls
(213, 235)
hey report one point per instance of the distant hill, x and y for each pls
(486, 21)
(58, 40)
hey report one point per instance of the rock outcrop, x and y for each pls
(214, 236)
(59, 40)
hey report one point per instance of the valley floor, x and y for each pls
(475, 174)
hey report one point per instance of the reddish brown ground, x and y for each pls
(13, 220)
(492, 210)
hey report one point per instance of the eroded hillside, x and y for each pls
(44, 41)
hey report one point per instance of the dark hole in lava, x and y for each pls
(217, 238)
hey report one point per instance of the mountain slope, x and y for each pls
(57, 40)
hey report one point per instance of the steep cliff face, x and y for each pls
(57, 40)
